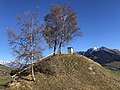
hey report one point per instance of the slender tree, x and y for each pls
(61, 26)
(25, 39)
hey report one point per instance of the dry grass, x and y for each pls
(69, 72)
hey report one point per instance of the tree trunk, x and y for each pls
(32, 58)
(55, 48)
(33, 75)
(60, 48)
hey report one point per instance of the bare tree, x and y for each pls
(25, 39)
(61, 26)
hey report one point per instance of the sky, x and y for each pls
(99, 20)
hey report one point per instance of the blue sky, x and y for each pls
(99, 20)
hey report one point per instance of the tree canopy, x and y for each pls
(61, 26)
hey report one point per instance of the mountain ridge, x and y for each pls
(103, 56)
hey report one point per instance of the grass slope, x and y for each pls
(4, 68)
(69, 72)
(4, 79)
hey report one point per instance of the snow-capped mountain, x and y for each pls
(4, 62)
(103, 55)
(91, 50)
(95, 49)
(11, 64)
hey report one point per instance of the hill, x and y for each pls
(68, 72)
(104, 56)
(5, 77)
(4, 70)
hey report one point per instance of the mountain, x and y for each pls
(4, 70)
(3, 62)
(68, 72)
(12, 64)
(104, 56)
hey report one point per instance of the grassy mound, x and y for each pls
(69, 72)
